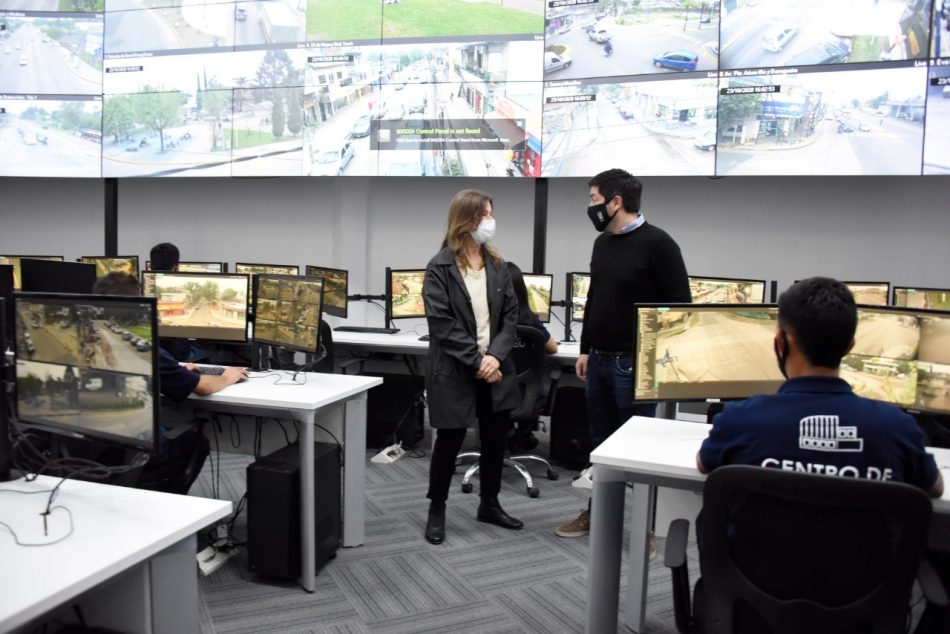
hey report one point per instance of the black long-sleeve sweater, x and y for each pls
(642, 266)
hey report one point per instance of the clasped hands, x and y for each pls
(489, 370)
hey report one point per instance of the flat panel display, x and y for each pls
(539, 294)
(932, 298)
(404, 294)
(287, 311)
(211, 306)
(128, 264)
(335, 289)
(577, 287)
(870, 293)
(14, 261)
(725, 290)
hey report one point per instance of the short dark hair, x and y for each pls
(116, 283)
(820, 313)
(164, 257)
(618, 182)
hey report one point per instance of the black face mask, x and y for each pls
(598, 216)
(782, 357)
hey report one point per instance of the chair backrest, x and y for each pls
(787, 552)
(326, 364)
(528, 354)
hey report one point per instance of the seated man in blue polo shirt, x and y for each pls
(815, 423)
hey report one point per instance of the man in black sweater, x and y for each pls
(632, 262)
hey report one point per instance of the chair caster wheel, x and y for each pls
(467, 487)
(553, 475)
(533, 492)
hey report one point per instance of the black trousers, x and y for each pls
(492, 435)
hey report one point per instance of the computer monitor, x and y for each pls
(210, 306)
(87, 366)
(404, 294)
(917, 297)
(704, 351)
(128, 264)
(271, 269)
(6, 295)
(577, 286)
(51, 276)
(539, 294)
(196, 267)
(726, 290)
(14, 261)
(870, 293)
(287, 311)
(901, 356)
(335, 289)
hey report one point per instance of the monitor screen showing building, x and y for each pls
(335, 288)
(870, 293)
(405, 294)
(724, 290)
(934, 298)
(128, 264)
(704, 351)
(539, 294)
(577, 283)
(199, 305)
(287, 311)
(86, 366)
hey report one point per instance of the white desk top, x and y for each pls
(316, 390)
(114, 528)
(658, 445)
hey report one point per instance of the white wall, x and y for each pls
(860, 228)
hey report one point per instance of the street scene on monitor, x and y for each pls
(407, 294)
(104, 266)
(823, 123)
(881, 363)
(608, 39)
(288, 312)
(807, 32)
(194, 306)
(937, 136)
(579, 286)
(66, 6)
(726, 291)
(334, 286)
(869, 294)
(539, 295)
(919, 298)
(933, 386)
(934, 339)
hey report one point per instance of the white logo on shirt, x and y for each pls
(822, 433)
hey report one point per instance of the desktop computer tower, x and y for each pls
(273, 510)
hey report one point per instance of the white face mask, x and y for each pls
(485, 231)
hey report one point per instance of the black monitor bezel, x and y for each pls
(550, 277)
(54, 258)
(34, 261)
(896, 287)
(86, 259)
(336, 310)
(124, 441)
(247, 316)
(569, 296)
(294, 278)
(7, 314)
(238, 264)
(709, 307)
(713, 278)
(389, 294)
(223, 265)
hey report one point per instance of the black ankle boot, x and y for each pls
(490, 511)
(435, 526)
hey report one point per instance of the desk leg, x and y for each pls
(174, 589)
(639, 562)
(606, 544)
(354, 470)
(308, 539)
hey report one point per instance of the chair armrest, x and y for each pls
(674, 555)
(930, 585)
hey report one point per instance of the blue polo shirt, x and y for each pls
(175, 381)
(818, 425)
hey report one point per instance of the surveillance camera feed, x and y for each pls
(696, 352)
(199, 306)
(86, 366)
(405, 294)
(930, 298)
(334, 289)
(870, 293)
(287, 311)
(578, 283)
(901, 357)
(719, 290)
(14, 261)
(128, 264)
(539, 294)
(202, 267)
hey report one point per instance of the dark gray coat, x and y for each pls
(453, 349)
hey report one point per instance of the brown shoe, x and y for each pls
(575, 528)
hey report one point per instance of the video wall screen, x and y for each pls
(526, 88)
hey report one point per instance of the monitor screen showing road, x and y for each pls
(578, 283)
(490, 88)
(698, 352)
(128, 264)
(287, 311)
(87, 366)
(539, 294)
(717, 290)
(334, 289)
(199, 305)
(870, 293)
(405, 294)
(932, 298)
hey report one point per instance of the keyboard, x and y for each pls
(372, 329)
(213, 370)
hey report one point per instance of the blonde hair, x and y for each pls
(466, 209)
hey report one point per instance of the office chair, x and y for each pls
(528, 354)
(788, 552)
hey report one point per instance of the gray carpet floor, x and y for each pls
(483, 579)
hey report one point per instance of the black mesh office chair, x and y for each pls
(528, 354)
(787, 553)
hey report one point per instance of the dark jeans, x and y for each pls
(492, 435)
(610, 395)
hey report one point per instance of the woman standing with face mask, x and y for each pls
(472, 312)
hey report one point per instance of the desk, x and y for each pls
(143, 540)
(649, 452)
(302, 402)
